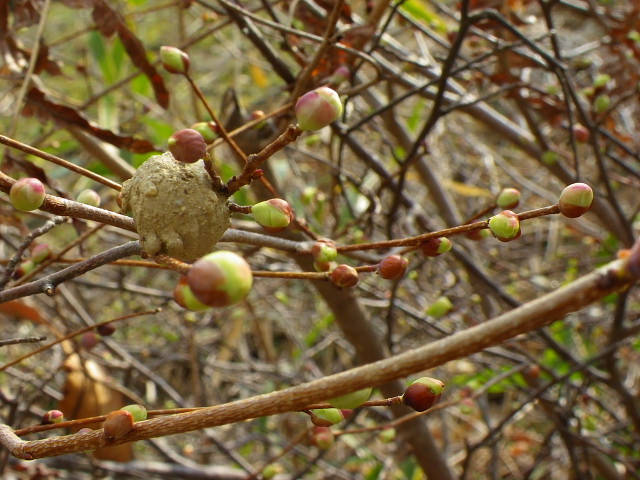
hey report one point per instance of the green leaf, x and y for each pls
(422, 12)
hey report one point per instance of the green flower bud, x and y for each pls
(575, 200)
(550, 157)
(89, 197)
(323, 266)
(27, 194)
(274, 215)
(505, 226)
(220, 279)
(184, 297)
(138, 411)
(318, 108)
(388, 435)
(208, 130)
(325, 417)
(324, 251)
(440, 307)
(25, 267)
(351, 400)
(433, 247)
(174, 60)
(508, 198)
(602, 103)
(423, 394)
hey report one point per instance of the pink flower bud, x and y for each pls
(184, 297)
(40, 252)
(318, 108)
(187, 146)
(323, 438)
(220, 279)
(27, 194)
(423, 394)
(575, 200)
(434, 247)
(52, 416)
(505, 226)
(274, 215)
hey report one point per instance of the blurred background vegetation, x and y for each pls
(448, 103)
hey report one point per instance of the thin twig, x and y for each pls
(48, 284)
(14, 341)
(613, 277)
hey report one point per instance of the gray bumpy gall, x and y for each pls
(175, 208)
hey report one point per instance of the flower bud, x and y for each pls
(508, 198)
(208, 130)
(138, 412)
(324, 251)
(351, 400)
(40, 252)
(271, 470)
(27, 194)
(581, 133)
(422, 394)
(323, 266)
(184, 297)
(220, 279)
(323, 438)
(505, 226)
(440, 307)
(25, 267)
(106, 329)
(187, 146)
(318, 108)
(89, 340)
(118, 424)
(344, 276)
(325, 417)
(602, 103)
(274, 215)
(174, 60)
(434, 247)
(392, 267)
(52, 416)
(550, 157)
(477, 235)
(340, 75)
(387, 435)
(89, 197)
(575, 200)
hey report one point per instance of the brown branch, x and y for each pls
(615, 276)
(48, 284)
(254, 160)
(10, 142)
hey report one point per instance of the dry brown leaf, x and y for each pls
(87, 394)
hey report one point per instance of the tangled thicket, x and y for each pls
(446, 104)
